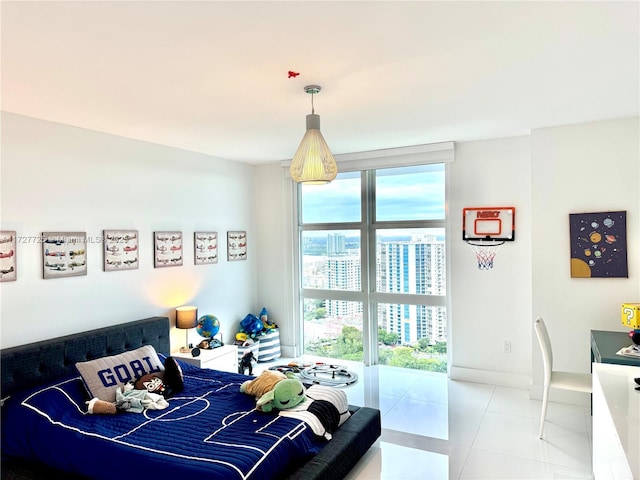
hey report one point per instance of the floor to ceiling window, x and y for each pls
(372, 267)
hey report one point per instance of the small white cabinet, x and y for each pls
(223, 358)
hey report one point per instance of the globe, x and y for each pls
(208, 326)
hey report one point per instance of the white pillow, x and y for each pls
(103, 376)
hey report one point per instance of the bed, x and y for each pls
(210, 429)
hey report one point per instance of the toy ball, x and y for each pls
(208, 326)
(251, 324)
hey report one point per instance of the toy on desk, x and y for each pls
(630, 317)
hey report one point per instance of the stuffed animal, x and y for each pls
(167, 383)
(251, 325)
(286, 394)
(274, 389)
(97, 406)
(246, 363)
(262, 383)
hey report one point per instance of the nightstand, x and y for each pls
(223, 358)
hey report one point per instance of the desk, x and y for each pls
(605, 344)
(616, 422)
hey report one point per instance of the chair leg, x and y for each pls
(543, 414)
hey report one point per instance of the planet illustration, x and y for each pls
(595, 237)
(579, 269)
(208, 326)
(598, 245)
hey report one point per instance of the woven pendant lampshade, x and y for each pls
(313, 163)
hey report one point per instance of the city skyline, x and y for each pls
(412, 267)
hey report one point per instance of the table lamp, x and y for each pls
(186, 318)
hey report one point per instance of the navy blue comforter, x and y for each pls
(210, 430)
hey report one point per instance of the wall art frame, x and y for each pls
(236, 245)
(205, 248)
(120, 250)
(8, 260)
(64, 254)
(598, 244)
(167, 249)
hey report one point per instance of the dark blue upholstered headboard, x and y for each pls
(37, 363)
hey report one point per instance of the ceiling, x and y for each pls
(212, 76)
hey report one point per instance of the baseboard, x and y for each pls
(489, 377)
(289, 351)
(518, 381)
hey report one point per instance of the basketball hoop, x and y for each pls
(485, 229)
(485, 252)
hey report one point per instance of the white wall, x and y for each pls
(61, 178)
(546, 176)
(489, 307)
(275, 239)
(592, 167)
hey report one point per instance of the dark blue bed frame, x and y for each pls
(34, 364)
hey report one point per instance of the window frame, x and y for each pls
(367, 163)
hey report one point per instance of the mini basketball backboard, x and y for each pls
(497, 224)
(485, 229)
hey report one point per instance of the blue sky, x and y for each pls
(404, 193)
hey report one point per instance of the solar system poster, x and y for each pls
(598, 245)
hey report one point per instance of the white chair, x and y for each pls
(579, 382)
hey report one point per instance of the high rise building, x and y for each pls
(413, 266)
(335, 244)
(343, 274)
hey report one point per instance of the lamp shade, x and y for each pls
(313, 163)
(186, 317)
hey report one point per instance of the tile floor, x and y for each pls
(436, 428)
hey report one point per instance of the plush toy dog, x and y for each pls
(246, 363)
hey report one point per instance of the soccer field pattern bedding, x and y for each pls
(210, 429)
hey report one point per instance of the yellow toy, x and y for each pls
(630, 315)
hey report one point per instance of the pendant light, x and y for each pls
(313, 163)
